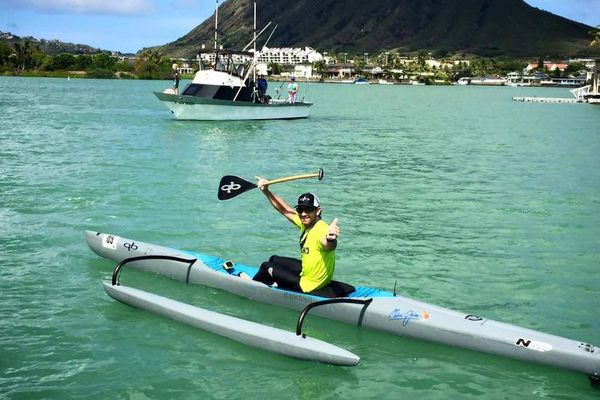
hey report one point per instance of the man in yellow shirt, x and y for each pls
(318, 242)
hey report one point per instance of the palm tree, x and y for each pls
(152, 56)
(23, 54)
(321, 67)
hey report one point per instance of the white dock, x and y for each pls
(547, 99)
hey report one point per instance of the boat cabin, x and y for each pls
(223, 75)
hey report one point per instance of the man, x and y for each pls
(175, 78)
(262, 86)
(318, 242)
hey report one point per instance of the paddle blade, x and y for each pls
(230, 186)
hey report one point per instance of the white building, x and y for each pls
(304, 70)
(289, 56)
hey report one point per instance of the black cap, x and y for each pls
(308, 200)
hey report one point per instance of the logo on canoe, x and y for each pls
(130, 246)
(408, 316)
(586, 347)
(533, 345)
(231, 186)
(110, 242)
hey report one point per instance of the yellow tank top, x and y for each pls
(318, 264)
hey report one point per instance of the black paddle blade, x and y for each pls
(230, 186)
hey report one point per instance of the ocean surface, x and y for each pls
(466, 199)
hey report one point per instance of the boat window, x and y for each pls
(191, 89)
(240, 70)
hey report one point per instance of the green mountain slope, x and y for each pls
(483, 27)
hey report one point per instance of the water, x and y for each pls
(469, 200)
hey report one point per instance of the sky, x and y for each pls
(130, 25)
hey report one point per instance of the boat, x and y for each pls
(224, 88)
(250, 333)
(362, 306)
(487, 81)
(361, 81)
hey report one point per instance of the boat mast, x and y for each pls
(254, 39)
(216, 21)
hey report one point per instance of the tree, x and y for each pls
(61, 62)
(320, 67)
(275, 68)
(5, 52)
(23, 54)
(574, 68)
(102, 66)
(83, 62)
(150, 64)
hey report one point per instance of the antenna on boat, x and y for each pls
(254, 40)
(216, 21)
(257, 36)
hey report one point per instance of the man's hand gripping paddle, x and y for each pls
(231, 186)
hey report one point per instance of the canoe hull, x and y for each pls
(394, 314)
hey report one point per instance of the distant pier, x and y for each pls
(547, 99)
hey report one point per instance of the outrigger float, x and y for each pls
(247, 332)
(363, 306)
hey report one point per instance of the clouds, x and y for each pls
(85, 7)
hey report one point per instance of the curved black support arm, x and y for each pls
(117, 271)
(309, 307)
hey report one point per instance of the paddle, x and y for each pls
(231, 186)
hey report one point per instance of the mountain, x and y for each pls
(482, 27)
(52, 47)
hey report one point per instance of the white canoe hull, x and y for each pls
(195, 108)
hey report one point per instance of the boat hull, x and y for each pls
(243, 331)
(197, 108)
(394, 314)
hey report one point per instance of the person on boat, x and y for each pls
(261, 85)
(175, 78)
(292, 90)
(318, 242)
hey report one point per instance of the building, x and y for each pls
(551, 66)
(289, 56)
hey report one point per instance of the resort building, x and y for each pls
(551, 66)
(289, 56)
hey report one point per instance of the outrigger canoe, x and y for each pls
(363, 306)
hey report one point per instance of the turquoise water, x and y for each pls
(467, 199)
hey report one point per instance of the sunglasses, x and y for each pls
(306, 210)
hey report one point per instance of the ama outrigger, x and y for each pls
(362, 306)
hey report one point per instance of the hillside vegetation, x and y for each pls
(481, 27)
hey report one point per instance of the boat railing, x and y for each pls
(580, 92)
(319, 303)
(120, 265)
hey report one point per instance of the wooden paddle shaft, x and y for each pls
(295, 177)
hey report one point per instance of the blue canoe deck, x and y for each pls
(216, 264)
